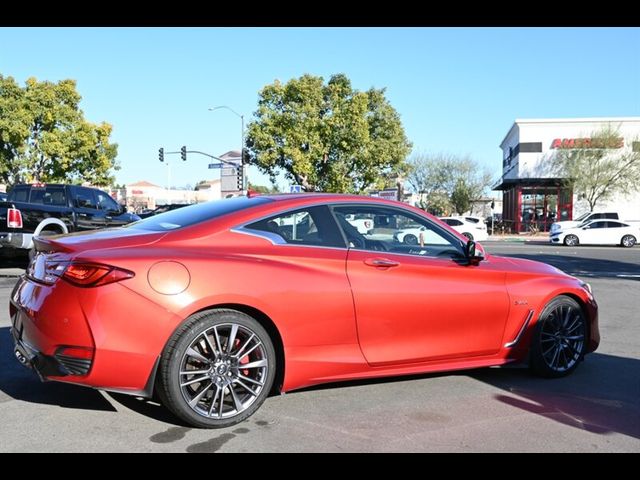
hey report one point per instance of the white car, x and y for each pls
(598, 232)
(583, 220)
(364, 225)
(473, 231)
(477, 221)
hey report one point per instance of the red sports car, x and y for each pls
(215, 305)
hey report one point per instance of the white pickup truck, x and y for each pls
(583, 219)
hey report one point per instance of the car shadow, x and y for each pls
(20, 383)
(601, 396)
(151, 408)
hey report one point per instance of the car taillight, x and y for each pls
(80, 274)
(14, 218)
(94, 275)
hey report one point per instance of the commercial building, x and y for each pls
(533, 197)
(143, 194)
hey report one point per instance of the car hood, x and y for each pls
(566, 224)
(521, 265)
(97, 240)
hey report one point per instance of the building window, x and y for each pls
(529, 147)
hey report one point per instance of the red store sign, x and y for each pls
(617, 142)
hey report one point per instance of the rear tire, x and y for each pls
(559, 339)
(223, 391)
(571, 241)
(628, 241)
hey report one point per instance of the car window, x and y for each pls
(472, 219)
(396, 231)
(55, 196)
(452, 222)
(37, 195)
(307, 226)
(197, 213)
(105, 202)
(598, 224)
(611, 224)
(85, 199)
(19, 194)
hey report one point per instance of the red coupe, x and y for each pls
(213, 306)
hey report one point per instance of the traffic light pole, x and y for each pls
(240, 169)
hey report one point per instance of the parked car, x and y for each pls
(53, 209)
(162, 209)
(363, 223)
(598, 232)
(471, 230)
(478, 221)
(212, 308)
(582, 220)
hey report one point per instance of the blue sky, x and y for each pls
(457, 90)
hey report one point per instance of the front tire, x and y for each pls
(410, 239)
(571, 241)
(628, 241)
(217, 369)
(559, 338)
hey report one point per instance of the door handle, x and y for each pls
(381, 262)
(83, 215)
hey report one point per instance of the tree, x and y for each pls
(461, 197)
(45, 138)
(597, 167)
(327, 136)
(458, 179)
(262, 188)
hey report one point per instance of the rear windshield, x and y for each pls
(183, 217)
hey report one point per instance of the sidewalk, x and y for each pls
(10, 272)
(525, 237)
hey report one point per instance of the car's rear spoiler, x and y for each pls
(49, 245)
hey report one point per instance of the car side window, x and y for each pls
(105, 202)
(396, 231)
(19, 194)
(55, 196)
(312, 226)
(85, 199)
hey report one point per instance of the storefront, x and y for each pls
(533, 198)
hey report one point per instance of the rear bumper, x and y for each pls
(125, 343)
(16, 240)
(44, 365)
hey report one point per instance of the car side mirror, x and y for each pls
(585, 228)
(473, 256)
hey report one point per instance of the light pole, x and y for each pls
(245, 182)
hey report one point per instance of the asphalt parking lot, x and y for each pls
(597, 409)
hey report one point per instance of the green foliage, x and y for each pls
(327, 137)
(461, 197)
(449, 182)
(45, 138)
(438, 204)
(263, 189)
(598, 173)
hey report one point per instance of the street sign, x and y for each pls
(216, 165)
(295, 188)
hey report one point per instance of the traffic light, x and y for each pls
(183, 153)
(161, 154)
(244, 158)
(240, 178)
